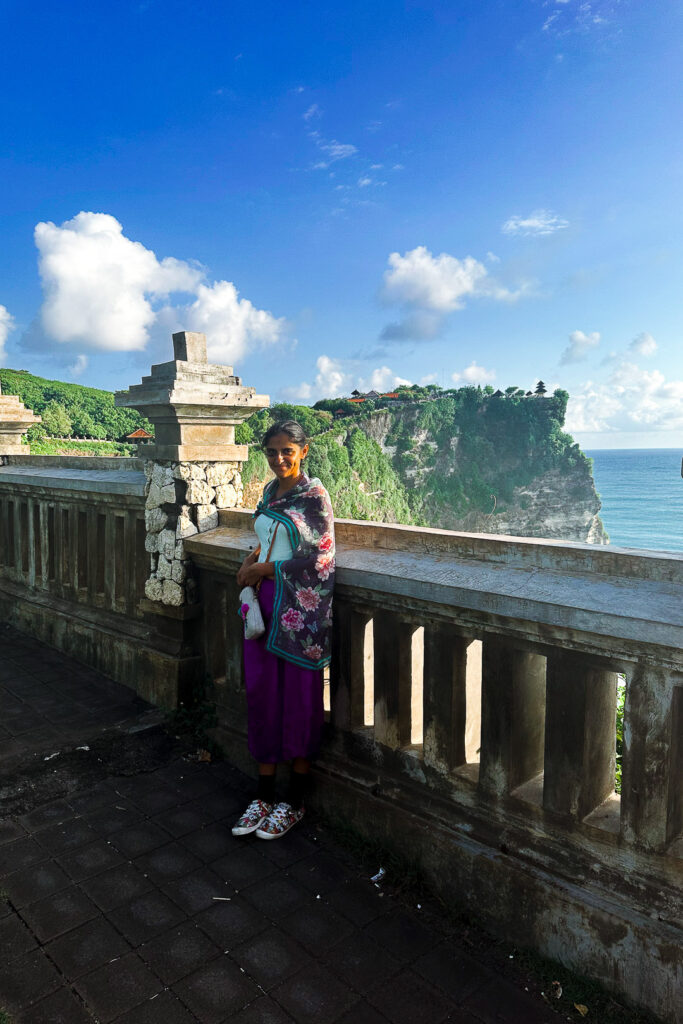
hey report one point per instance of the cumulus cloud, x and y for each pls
(431, 287)
(643, 345)
(537, 223)
(335, 379)
(631, 399)
(474, 374)
(105, 291)
(230, 323)
(6, 324)
(580, 346)
(99, 285)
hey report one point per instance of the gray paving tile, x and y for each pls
(116, 887)
(117, 987)
(59, 913)
(146, 916)
(35, 883)
(314, 996)
(168, 862)
(262, 1011)
(62, 1007)
(197, 891)
(406, 999)
(216, 991)
(402, 935)
(90, 860)
(15, 938)
(230, 923)
(87, 947)
(178, 952)
(316, 926)
(31, 977)
(276, 896)
(270, 957)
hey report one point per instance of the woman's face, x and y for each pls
(285, 456)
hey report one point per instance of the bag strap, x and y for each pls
(267, 558)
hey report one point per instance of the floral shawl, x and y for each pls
(302, 611)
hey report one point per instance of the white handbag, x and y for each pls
(254, 626)
(250, 609)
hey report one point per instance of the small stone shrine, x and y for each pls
(193, 465)
(15, 419)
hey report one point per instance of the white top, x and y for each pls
(282, 549)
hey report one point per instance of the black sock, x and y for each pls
(298, 787)
(266, 788)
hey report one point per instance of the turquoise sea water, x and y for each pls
(642, 496)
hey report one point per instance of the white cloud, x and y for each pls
(539, 222)
(104, 290)
(312, 112)
(364, 182)
(630, 400)
(230, 323)
(430, 287)
(99, 284)
(438, 283)
(475, 374)
(333, 151)
(643, 344)
(579, 347)
(335, 379)
(79, 366)
(381, 379)
(429, 378)
(6, 325)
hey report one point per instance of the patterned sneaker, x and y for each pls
(279, 821)
(254, 816)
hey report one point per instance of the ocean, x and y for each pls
(641, 490)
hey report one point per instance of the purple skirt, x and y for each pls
(284, 702)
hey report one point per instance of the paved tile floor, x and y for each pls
(130, 900)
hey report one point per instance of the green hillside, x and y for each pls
(72, 411)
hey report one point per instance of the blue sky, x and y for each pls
(352, 194)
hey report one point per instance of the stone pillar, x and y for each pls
(580, 734)
(393, 679)
(444, 696)
(652, 779)
(193, 465)
(512, 716)
(15, 419)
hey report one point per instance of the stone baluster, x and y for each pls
(580, 734)
(652, 766)
(347, 670)
(444, 697)
(512, 716)
(393, 679)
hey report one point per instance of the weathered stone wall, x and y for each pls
(181, 500)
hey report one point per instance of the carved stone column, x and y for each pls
(15, 419)
(193, 466)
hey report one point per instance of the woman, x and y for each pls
(294, 565)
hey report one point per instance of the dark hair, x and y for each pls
(291, 428)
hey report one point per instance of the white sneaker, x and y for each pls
(279, 821)
(254, 816)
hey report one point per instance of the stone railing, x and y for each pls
(74, 561)
(472, 711)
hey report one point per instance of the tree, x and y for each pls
(56, 420)
(540, 388)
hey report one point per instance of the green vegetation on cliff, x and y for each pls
(432, 457)
(459, 458)
(70, 410)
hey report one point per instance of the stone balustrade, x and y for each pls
(471, 698)
(472, 711)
